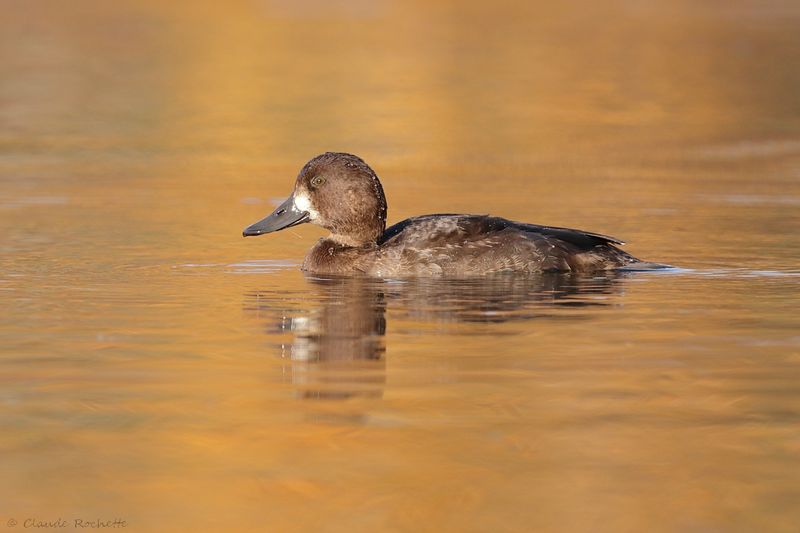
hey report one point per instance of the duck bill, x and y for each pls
(285, 216)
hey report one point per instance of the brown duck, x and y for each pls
(341, 193)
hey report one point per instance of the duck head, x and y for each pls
(337, 191)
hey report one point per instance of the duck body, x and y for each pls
(466, 245)
(341, 193)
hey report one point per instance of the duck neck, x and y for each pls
(354, 241)
(362, 234)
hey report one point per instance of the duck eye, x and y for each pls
(316, 181)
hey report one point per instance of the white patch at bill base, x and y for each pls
(303, 203)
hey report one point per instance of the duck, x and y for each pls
(340, 192)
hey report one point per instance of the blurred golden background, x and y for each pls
(158, 368)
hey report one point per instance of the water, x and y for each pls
(159, 369)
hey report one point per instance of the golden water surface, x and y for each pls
(158, 371)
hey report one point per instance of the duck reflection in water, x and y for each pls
(337, 345)
(337, 349)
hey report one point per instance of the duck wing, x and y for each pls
(583, 239)
(444, 227)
